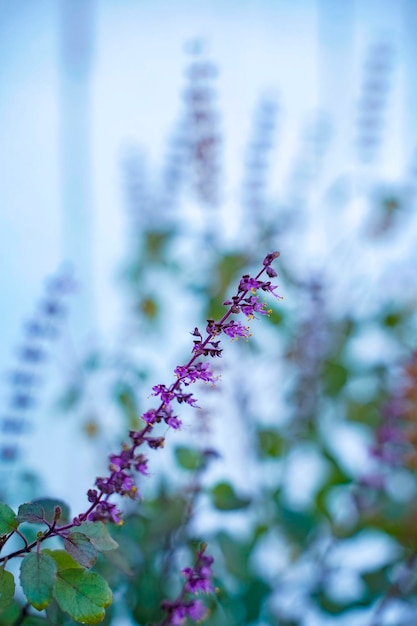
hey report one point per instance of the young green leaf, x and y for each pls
(31, 512)
(7, 588)
(83, 595)
(8, 519)
(81, 548)
(99, 536)
(37, 577)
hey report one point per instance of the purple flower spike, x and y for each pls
(198, 578)
(128, 462)
(190, 374)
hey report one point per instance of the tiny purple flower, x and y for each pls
(234, 330)
(174, 422)
(149, 416)
(141, 464)
(249, 284)
(178, 615)
(106, 512)
(251, 305)
(196, 610)
(165, 394)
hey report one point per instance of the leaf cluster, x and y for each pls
(53, 580)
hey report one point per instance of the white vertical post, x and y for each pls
(77, 17)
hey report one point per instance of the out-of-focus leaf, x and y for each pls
(155, 243)
(333, 607)
(276, 317)
(10, 614)
(334, 376)
(31, 512)
(377, 581)
(126, 400)
(188, 458)
(254, 598)
(335, 477)
(270, 443)
(70, 399)
(364, 413)
(224, 498)
(392, 318)
(7, 588)
(49, 504)
(149, 307)
(145, 595)
(235, 554)
(297, 525)
(228, 267)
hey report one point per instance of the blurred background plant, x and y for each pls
(299, 471)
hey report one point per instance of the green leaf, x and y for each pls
(10, 614)
(276, 317)
(33, 620)
(155, 242)
(125, 397)
(227, 268)
(236, 555)
(270, 443)
(80, 547)
(149, 307)
(253, 599)
(31, 512)
(225, 498)
(37, 576)
(377, 581)
(143, 597)
(7, 588)
(296, 524)
(364, 413)
(188, 458)
(62, 559)
(99, 536)
(8, 520)
(335, 377)
(49, 505)
(83, 595)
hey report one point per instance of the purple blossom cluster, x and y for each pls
(396, 437)
(197, 579)
(125, 465)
